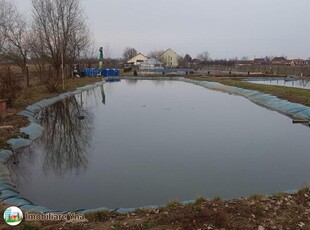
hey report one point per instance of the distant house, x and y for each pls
(137, 60)
(196, 62)
(244, 62)
(170, 58)
(259, 61)
(151, 63)
(279, 61)
(298, 62)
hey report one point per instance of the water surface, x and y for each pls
(150, 142)
(302, 83)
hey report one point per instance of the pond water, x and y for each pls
(302, 83)
(149, 142)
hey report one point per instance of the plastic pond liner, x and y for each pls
(9, 195)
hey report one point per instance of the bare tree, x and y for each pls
(204, 56)
(156, 54)
(13, 35)
(66, 137)
(62, 26)
(38, 52)
(129, 53)
(188, 58)
(89, 54)
(185, 62)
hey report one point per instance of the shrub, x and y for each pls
(10, 86)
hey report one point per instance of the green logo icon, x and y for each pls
(13, 216)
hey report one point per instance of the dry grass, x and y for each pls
(272, 212)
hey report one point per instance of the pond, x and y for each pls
(301, 83)
(137, 143)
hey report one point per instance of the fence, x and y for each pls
(269, 69)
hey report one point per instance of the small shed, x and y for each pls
(137, 60)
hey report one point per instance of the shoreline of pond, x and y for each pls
(34, 132)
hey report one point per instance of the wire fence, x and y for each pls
(266, 69)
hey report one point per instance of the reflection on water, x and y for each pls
(67, 134)
(66, 137)
(157, 141)
(132, 81)
(301, 83)
(102, 94)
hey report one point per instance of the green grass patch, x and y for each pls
(256, 197)
(200, 200)
(303, 190)
(279, 194)
(217, 200)
(100, 216)
(173, 204)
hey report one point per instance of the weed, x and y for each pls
(101, 216)
(279, 195)
(148, 225)
(116, 225)
(15, 136)
(303, 190)
(25, 136)
(258, 210)
(217, 200)
(197, 208)
(2, 141)
(173, 204)
(255, 197)
(219, 219)
(200, 200)
(10, 87)
(140, 211)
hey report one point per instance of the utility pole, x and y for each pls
(27, 74)
(62, 66)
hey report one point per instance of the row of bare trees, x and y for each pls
(56, 34)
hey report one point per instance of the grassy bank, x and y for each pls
(295, 95)
(280, 211)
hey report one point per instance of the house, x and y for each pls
(152, 63)
(298, 62)
(259, 61)
(196, 62)
(279, 61)
(170, 58)
(137, 60)
(244, 62)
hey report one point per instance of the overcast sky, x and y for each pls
(225, 28)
